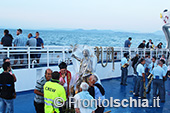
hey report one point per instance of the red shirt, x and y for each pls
(68, 75)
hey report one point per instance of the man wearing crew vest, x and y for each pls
(53, 90)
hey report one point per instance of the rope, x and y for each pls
(110, 50)
(104, 65)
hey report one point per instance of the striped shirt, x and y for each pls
(39, 86)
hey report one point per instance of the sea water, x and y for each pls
(91, 37)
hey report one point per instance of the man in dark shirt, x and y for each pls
(40, 43)
(97, 91)
(142, 45)
(134, 62)
(159, 46)
(149, 44)
(7, 39)
(7, 90)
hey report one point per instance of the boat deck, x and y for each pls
(24, 101)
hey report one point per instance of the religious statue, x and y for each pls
(85, 63)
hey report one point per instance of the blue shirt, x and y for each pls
(20, 40)
(158, 72)
(127, 43)
(98, 94)
(39, 42)
(140, 69)
(123, 61)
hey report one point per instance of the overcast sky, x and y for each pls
(127, 15)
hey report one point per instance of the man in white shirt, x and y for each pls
(141, 79)
(84, 94)
(124, 65)
(158, 75)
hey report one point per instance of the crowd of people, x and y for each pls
(147, 71)
(20, 41)
(149, 45)
(52, 85)
(58, 84)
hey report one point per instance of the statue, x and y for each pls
(166, 19)
(84, 63)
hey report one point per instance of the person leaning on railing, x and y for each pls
(31, 42)
(19, 41)
(142, 45)
(6, 40)
(40, 43)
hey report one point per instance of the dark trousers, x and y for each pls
(124, 75)
(99, 110)
(158, 85)
(139, 86)
(39, 107)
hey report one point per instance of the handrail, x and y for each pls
(55, 54)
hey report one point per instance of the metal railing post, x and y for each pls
(137, 51)
(167, 50)
(63, 54)
(121, 53)
(8, 52)
(130, 52)
(28, 57)
(48, 57)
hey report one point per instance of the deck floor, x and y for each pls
(24, 101)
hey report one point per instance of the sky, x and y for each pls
(123, 15)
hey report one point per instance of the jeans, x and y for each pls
(158, 85)
(139, 86)
(124, 75)
(6, 106)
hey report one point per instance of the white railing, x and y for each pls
(53, 55)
